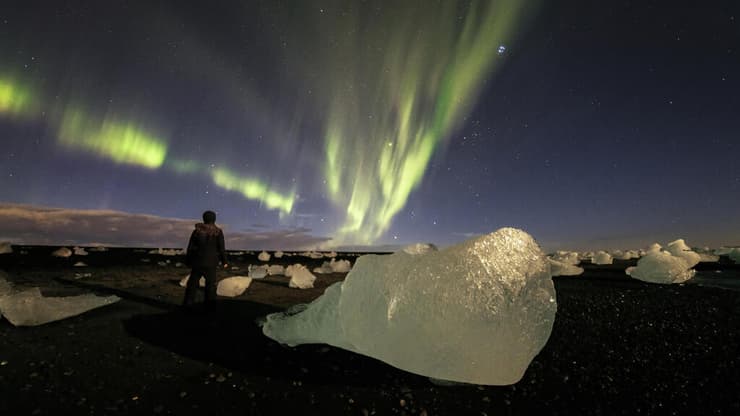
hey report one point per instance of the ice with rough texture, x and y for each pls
(63, 252)
(653, 248)
(559, 268)
(6, 248)
(30, 307)
(233, 286)
(679, 249)
(184, 281)
(567, 257)
(419, 248)
(6, 287)
(79, 251)
(334, 266)
(168, 252)
(264, 256)
(661, 267)
(601, 257)
(301, 277)
(734, 255)
(257, 272)
(276, 270)
(477, 312)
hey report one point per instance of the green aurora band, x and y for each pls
(126, 143)
(392, 106)
(121, 142)
(15, 99)
(252, 188)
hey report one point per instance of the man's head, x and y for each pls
(209, 217)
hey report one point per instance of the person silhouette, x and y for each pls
(205, 250)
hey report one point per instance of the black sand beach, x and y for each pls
(618, 346)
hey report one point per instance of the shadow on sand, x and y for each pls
(228, 335)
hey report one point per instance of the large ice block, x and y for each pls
(477, 312)
(233, 286)
(300, 277)
(30, 307)
(661, 267)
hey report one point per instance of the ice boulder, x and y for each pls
(558, 268)
(419, 248)
(30, 307)
(334, 266)
(233, 286)
(6, 248)
(661, 267)
(276, 270)
(601, 257)
(278, 254)
(734, 255)
(184, 281)
(625, 255)
(264, 256)
(257, 272)
(168, 252)
(301, 278)
(567, 257)
(6, 287)
(652, 248)
(62, 252)
(679, 248)
(79, 251)
(477, 312)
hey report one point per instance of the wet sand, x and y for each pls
(618, 346)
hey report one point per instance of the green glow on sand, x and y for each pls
(252, 188)
(15, 99)
(396, 100)
(120, 141)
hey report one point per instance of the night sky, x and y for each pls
(590, 125)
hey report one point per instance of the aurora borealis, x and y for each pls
(375, 123)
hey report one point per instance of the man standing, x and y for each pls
(205, 249)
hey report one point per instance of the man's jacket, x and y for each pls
(206, 246)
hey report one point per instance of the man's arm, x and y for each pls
(222, 248)
(192, 247)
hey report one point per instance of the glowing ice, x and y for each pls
(661, 267)
(601, 257)
(62, 252)
(679, 249)
(168, 252)
(477, 312)
(6, 248)
(233, 286)
(257, 272)
(30, 307)
(264, 256)
(559, 268)
(275, 270)
(334, 266)
(79, 251)
(300, 277)
(420, 248)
